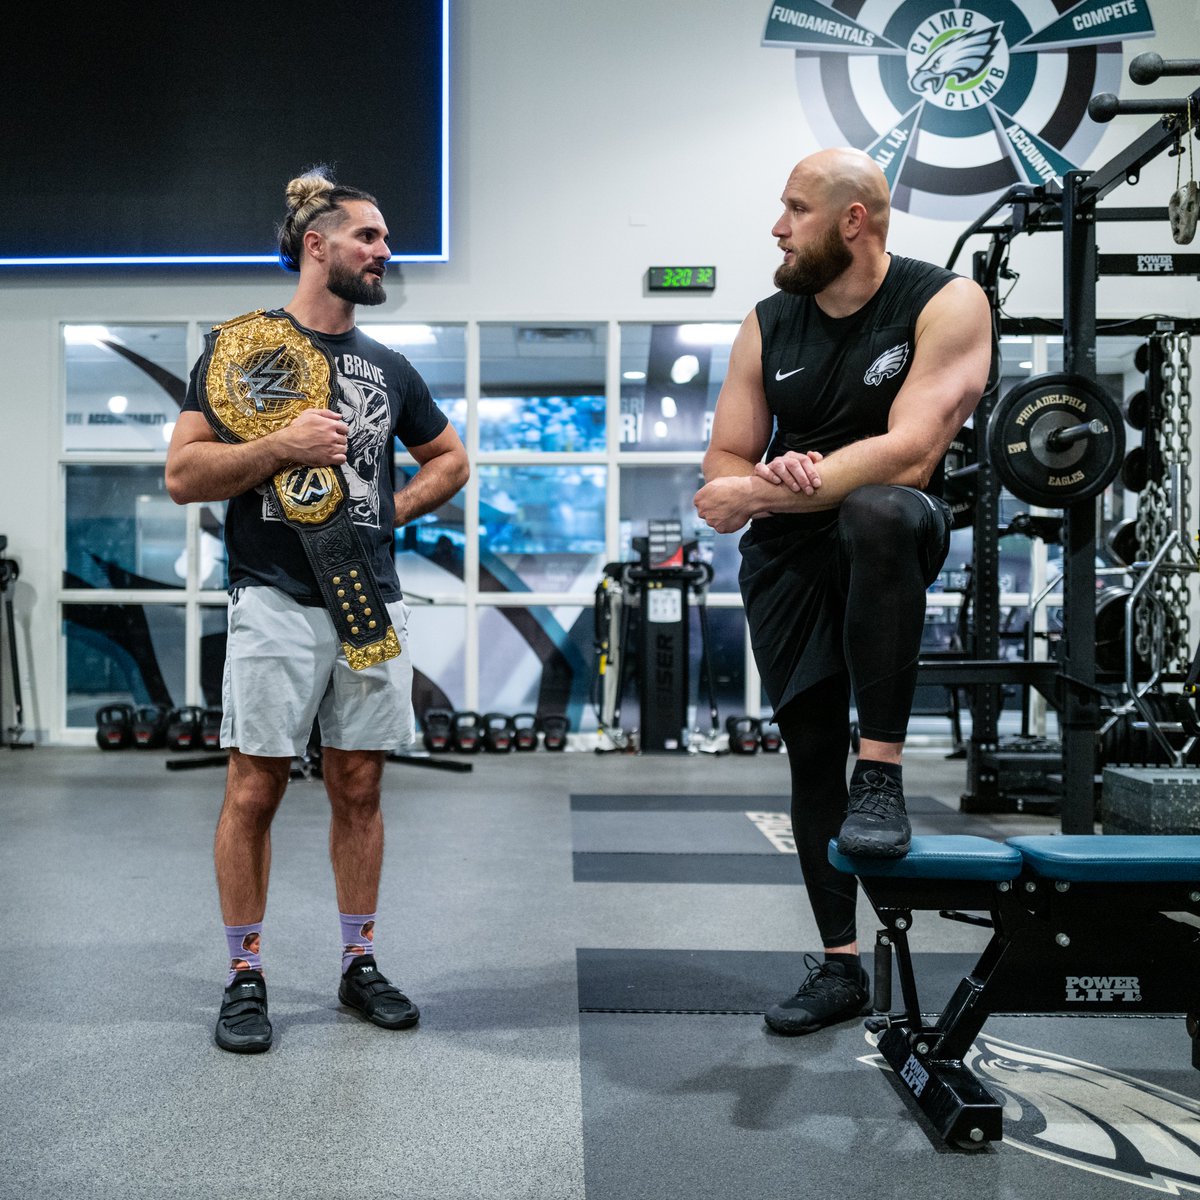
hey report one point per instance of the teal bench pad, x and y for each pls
(1112, 858)
(942, 856)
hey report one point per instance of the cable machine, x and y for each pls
(642, 632)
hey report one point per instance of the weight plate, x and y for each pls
(961, 491)
(1122, 542)
(1134, 470)
(1137, 410)
(1040, 444)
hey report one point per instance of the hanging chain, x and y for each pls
(1187, 134)
(1161, 616)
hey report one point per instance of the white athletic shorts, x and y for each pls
(284, 668)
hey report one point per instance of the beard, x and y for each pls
(356, 289)
(814, 269)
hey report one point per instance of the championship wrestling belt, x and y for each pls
(257, 374)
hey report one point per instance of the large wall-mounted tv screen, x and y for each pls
(166, 133)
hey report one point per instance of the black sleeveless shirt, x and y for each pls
(830, 381)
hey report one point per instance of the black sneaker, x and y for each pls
(242, 1025)
(366, 990)
(876, 824)
(833, 991)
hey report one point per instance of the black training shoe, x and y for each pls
(833, 992)
(366, 990)
(242, 1025)
(876, 824)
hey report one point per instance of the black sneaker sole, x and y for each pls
(403, 1023)
(801, 1030)
(242, 1047)
(869, 848)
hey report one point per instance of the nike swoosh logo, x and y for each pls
(780, 376)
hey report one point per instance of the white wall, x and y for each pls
(589, 142)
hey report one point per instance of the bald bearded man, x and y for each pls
(844, 391)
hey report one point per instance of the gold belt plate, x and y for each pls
(262, 373)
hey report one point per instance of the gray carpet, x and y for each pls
(711, 1107)
(112, 958)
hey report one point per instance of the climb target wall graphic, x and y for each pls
(957, 103)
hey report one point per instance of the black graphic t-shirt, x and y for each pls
(382, 398)
(830, 381)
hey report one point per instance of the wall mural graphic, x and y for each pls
(957, 104)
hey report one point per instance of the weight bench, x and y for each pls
(1092, 925)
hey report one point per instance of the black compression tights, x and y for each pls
(816, 730)
(892, 542)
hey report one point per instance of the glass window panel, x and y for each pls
(212, 545)
(430, 550)
(542, 423)
(665, 494)
(542, 388)
(439, 353)
(124, 384)
(214, 629)
(539, 660)
(123, 530)
(437, 636)
(671, 376)
(541, 529)
(122, 654)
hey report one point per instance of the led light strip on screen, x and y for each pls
(130, 260)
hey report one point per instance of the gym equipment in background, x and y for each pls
(184, 728)
(150, 726)
(743, 734)
(436, 727)
(1069, 684)
(114, 726)
(525, 731)
(466, 732)
(498, 733)
(642, 633)
(9, 573)
(555, 728)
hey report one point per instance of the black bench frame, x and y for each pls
(1045, 934)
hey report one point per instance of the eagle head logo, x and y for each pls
(890, 362)
(963, 56)
(1089, 1117)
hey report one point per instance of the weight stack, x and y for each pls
(1150, 800)
(1028, 773)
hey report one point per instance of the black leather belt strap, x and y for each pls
(258, 373)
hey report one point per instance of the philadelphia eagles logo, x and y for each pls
(890, 362)
(962, 56)
(957, 100)
(1086, 1116)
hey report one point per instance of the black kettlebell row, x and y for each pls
(748, 735)
(155, 727)
(466, 732)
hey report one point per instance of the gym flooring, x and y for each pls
(591, 939)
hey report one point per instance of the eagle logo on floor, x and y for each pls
(1087, 1116)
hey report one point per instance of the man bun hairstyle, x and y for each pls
(314, 201)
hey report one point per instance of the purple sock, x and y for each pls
(245, 948)
(358, 937)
